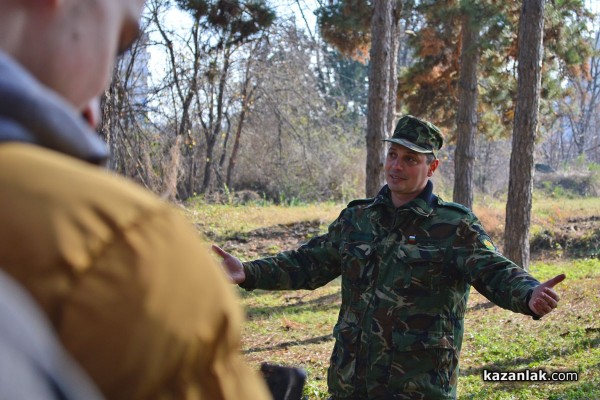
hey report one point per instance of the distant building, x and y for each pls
(134, 74)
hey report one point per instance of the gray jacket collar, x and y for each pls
(32, 113)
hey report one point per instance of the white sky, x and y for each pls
(179, 20)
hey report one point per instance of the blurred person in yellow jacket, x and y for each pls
(125, 281)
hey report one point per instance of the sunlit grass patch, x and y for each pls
(223, 220)
(566, 340)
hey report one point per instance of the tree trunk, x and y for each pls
(520, 187)
(466, 115)
(107, 130)
(208, 164)
(393, 70)
(382, 95)
(236, 143)
(214, 127)
(247, 95)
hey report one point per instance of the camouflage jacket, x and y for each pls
(406, 275)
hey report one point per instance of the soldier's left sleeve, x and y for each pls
(491, 273)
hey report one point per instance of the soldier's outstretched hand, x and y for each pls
(232, 265)
(544, 299)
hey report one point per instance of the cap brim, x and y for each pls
(410, 145)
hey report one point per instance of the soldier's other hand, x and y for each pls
(232, 265)
(544, 299)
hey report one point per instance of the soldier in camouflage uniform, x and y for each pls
(407, 261)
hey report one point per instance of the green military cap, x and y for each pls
(418, 135)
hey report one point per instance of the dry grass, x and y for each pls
(492, 218)
(545, 213)
(217, 220)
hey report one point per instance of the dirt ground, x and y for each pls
(273, 239)
(577, 237)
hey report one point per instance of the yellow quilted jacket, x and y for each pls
(130, 288)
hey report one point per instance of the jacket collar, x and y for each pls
(32, 113)
(423, 204)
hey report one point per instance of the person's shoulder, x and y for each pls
(74, 211)
(359, 203)
(449, 207)
(59, 182)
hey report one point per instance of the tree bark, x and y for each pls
(466, 115)
(382, 88)
(211, 134)
(520, 187)
(250, 83)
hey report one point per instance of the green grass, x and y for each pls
(567, 340)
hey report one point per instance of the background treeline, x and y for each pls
(258, 101)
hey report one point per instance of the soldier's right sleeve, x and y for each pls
(312, 265)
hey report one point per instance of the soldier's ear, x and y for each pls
(433, 166)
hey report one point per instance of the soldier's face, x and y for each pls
(407, 172)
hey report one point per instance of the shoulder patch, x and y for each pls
(487, 242)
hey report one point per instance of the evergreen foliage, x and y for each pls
(428, 87)
(347, 26)
(241, 19)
